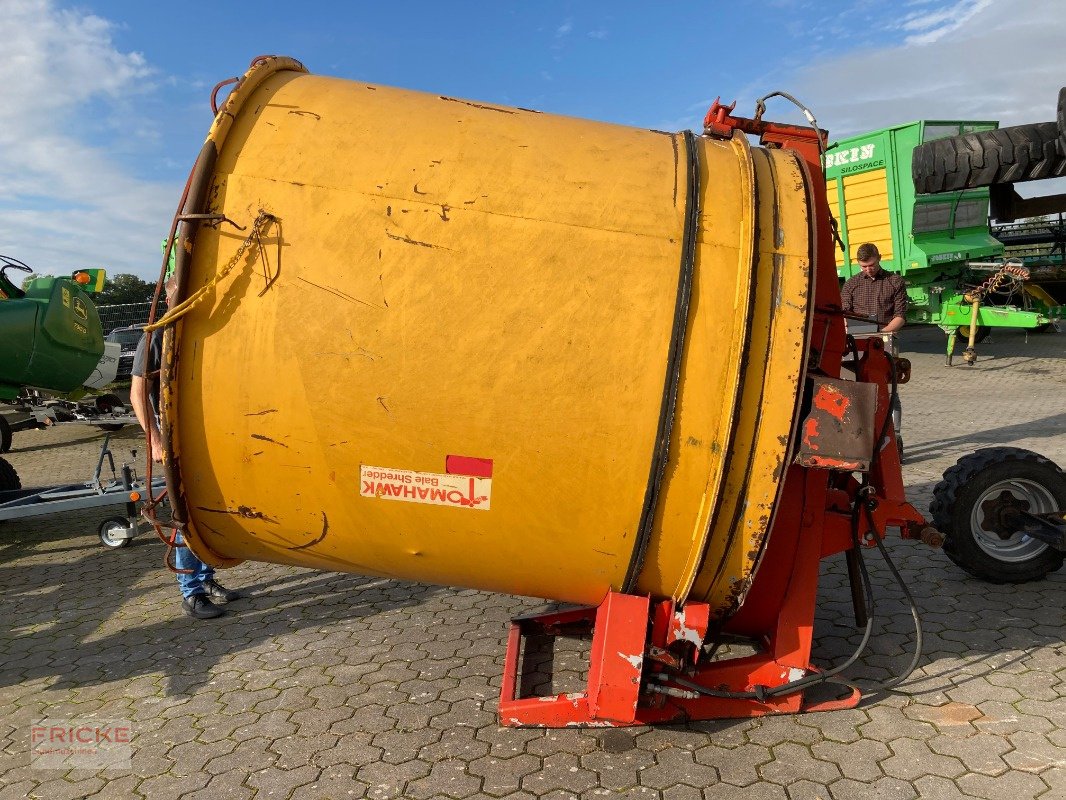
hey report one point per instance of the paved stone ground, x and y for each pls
(323, 685)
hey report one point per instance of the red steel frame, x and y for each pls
(638, 645)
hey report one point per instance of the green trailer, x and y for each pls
(940, 243)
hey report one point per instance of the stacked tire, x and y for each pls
(985, 158)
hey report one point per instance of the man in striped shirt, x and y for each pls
(875, 293)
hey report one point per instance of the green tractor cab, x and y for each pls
(50, 331)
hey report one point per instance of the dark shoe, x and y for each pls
(219, 593)
(200, 607)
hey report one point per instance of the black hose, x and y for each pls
(763, 693)
(919, 637)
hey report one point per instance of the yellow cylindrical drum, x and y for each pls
(482, 346)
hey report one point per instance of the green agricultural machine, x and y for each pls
(50, 331)
(51, 340)
(939, 240)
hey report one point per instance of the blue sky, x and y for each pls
(106, 101)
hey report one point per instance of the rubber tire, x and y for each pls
(953, 502)
(5, 434)
(113, 544)
(1062, 118)
(106, 403)
(1007, 155)
(964, 333)
(9, 479)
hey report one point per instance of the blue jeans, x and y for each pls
(193, 582)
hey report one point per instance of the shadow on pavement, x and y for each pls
(1045, 428)
(99, 614)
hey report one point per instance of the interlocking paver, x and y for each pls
(503, 776)
(675, 766)
(448, 778)
(332, 783)
(859, 760)
(620, 770)
(325, 686)
(912, 759)
(738, 766)
(1014, 785)
(560, 771)
(793, 762)
(881, 789)
(1034, 753)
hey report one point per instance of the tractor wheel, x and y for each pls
(960, 509)
(5, 435)
(106, 403)
(1022, 153)
(982, 333)
(1062, 119)
(9, 479)
(107, 530)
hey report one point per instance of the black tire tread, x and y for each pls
(963, 332)
(5, 435)
(1007, 155)
(946, 494)
(9, 479)
(1062, 118)
(100, 532)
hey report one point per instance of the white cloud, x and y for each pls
(1004, 61)
(940, 22)
(64, 201)
(564, 29)
(598, 33)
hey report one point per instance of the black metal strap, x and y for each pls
(673, 363)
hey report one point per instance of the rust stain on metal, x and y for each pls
(306, 114)
(261, 413)
(476, 105)
(418, 191)
(444, 212)
(263, 438)
(244, 512)
(409, 240)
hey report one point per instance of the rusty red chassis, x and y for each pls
(653, 662)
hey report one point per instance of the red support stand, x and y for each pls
(648, 662)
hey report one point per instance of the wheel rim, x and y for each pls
(1018, 547)
(108, 535)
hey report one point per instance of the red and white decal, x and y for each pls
(432, 488)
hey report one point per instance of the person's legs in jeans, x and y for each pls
(191, 583)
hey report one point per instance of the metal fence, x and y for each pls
(123, 316)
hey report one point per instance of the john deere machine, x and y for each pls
(50, 339)
(937, 235)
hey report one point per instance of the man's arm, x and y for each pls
(846, 293)
(899, 306)
(142, 405)
(143, 412)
